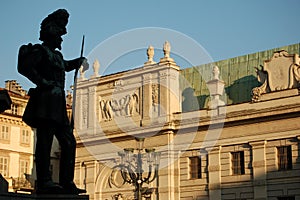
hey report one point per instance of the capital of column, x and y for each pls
(147, 78)
(214, 149)
(258, 144)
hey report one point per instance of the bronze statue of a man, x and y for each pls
(46, 110)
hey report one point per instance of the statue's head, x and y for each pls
(53, 27)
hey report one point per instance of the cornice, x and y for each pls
(14, 121)
(197, 122)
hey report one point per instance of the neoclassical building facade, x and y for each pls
(224, 130)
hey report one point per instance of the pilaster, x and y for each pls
(77, 109)
(259, 170)
(147, 99)
(169, 88)
(214, 173)
(92, 118)
(169, 181)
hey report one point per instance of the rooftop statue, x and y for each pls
(167, 49)
(150, 53)
(46, 111)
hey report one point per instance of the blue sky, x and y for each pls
(224, 28)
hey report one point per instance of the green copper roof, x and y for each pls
(238, 73)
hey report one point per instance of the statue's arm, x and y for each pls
(76, 63)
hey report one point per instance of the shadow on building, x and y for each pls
(240, 90)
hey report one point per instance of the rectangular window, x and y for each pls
(238, 163)
(284, 156)
(25, 137)
(4, 134)
(4, 166)
(195, 167)
(14, 109)
(24, 167)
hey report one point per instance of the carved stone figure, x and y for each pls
(167, 49)
(281, 72)
(216, 72)
(150, 53)
(123, 103)
(116, 107)
(46, 110)
(81, 73)
(132, 105)
(96, 67)
(102, 107)
(155, 100)
(108, 110)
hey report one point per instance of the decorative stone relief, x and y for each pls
(127, 105)
(84, 111)
(106, 110)
(155, 98)
(133, 105)
(163, 75)
(281, 72)
(147, 78)
(118, 85)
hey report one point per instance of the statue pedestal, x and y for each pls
(18, 196)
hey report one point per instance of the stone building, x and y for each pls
(16, 141)
(224, 130)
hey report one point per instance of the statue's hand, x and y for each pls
(83, 62)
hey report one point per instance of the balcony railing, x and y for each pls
(21, 184)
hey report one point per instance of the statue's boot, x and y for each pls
(71, 188)
(49, 187)
(67, 162)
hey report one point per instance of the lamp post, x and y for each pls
(132, 162)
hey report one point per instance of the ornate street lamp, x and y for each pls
(132, 164)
